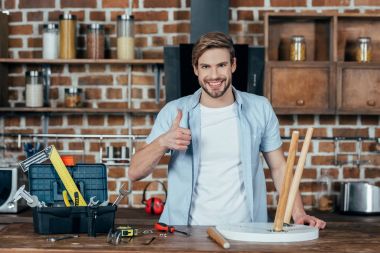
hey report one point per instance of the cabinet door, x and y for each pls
(300, 89)
(360, 90)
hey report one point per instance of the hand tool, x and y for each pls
(218, 238)
(159, 226)
(52, 239)
(65, 196)
(149, 241)
(122, 194)
(52, 154)
(115, 236)
(104, 203)
(31, 200)
(92, 202)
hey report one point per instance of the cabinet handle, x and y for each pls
(371, 102)
(300, 102)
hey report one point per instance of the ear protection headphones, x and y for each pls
(154, 205)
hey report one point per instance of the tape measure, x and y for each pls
(52, 154)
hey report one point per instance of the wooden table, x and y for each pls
(350, 234)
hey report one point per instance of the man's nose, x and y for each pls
(214, 73)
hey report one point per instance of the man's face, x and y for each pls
(214, 71)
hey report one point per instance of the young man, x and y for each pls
(215, 136)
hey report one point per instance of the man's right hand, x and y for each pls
(177, 138)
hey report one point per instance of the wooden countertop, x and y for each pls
(346, 234)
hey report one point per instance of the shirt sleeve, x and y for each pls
(161, 124)
(271, 139)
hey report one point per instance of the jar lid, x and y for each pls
(33, 73)
(364, 39)
(73, 90)
(95, 26)
(67, 16)
(50, 26)
(125, 17)
(298, 38)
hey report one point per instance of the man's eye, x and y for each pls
(204, 67)
(223, 65)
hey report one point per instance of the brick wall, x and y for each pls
(160, 23)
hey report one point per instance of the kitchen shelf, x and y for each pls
(80, 61)
(75, 110)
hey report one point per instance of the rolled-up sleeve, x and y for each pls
(271, 139)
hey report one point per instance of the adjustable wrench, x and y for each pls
(31, 200)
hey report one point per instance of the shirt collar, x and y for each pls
(195, 98)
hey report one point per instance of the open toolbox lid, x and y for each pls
(45, 183)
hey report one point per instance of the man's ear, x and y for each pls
(195, 70)
(233, 65)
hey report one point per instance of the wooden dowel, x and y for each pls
(218, 237)
(280, 212)
(297, 175)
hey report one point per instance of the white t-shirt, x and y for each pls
(219, 195)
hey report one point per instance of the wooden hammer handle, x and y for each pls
(279, 219)
(297, 175)
(218, 237)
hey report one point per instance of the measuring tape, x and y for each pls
(52, 154)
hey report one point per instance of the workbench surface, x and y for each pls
(347, 234)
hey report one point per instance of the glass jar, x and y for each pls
(325, 197)
(364, 50)
(50, 41)
(95, 41)
(67, 36)
(73, 97)
(34, 96)
(125, 37)
(298, 48)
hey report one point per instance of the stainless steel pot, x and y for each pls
(360, 197)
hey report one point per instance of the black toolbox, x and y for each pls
(56, 218)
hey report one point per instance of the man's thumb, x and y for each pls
(177, 119)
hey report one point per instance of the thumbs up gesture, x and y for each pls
(177, 138)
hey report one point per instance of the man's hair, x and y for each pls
(212, 40)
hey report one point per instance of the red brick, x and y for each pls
(350, 132)
(151, 15)
(245, 15)
(61, 131)
(78, 4)
(36, 4)
(95, 120)
(152, 93)
(177, 28)
(158, 41)
(141, 42)
(256, 28)
(13, 95)
(377, 133)
(305, 119)
(55, 121)
(322, 160)
(20, 29)
(111, 186)
(162, 4)
(287, 3)
(285, 119)
(136, 93)
(15, 16)
(327, 119)
(246, 3)
(30, 54)
(116, 172)
(97, 16)
(115, 120)
(348, 119)
(366, 3)
(12, 121)
(160, 173)
(235, 28)
(181, 15)
(76, 146)
(118, 4)
(140, 131)
(327, 147)
(138, 121)
(75, 120)
(113, 105)
(331, 2)
(113, 93)
(34, 42)
(122, 80)
(180, 39)
(347, 146)
(93, 93)
(98, 131)
(10, 4)
(96, 80)
(370, 120)
(16, 80)
(35, 16)
(60, 81)
(14, 43)
(144, 80)
(351, 172)
(146, 28)
(153, 54)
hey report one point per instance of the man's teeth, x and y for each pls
(215, 83)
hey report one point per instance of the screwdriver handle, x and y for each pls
(163, 227)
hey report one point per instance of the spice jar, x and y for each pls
(95, 41)
(50, 41)
(73, 97)
(325, 197)
(364, 50)
(298, 48)
(125, 37)
(67, 36)
(34, 89)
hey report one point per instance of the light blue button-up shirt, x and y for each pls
(259, 132)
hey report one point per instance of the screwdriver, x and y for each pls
(170, 229)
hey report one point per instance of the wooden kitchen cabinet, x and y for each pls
(329, 81)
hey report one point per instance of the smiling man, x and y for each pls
(215, 136)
